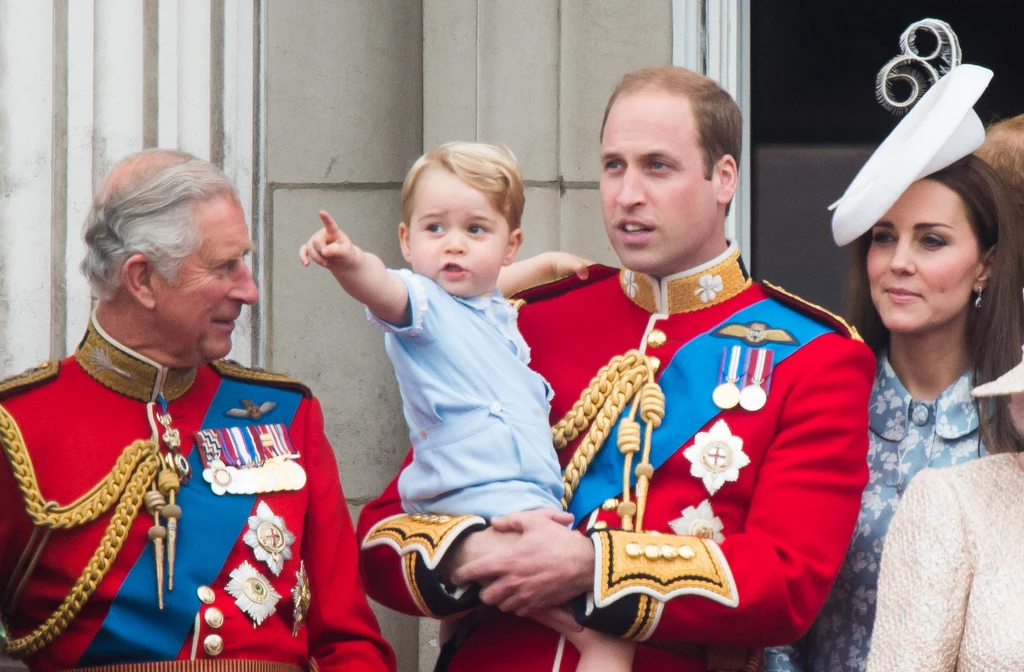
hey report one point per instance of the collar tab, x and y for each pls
(706, 285)
(127, 372)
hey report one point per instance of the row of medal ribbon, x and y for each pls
(251, 459)
(744, 378)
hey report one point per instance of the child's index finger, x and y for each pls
(329, 224)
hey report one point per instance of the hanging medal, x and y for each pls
(250, 459)
(758, 370)
(727, 393)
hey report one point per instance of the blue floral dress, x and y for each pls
(905, 437)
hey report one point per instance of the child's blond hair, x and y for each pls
(491, 169)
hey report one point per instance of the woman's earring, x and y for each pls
(977, 301)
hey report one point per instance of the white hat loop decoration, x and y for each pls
(941, 128)
(916, 70)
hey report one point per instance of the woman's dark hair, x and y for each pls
(994, 330)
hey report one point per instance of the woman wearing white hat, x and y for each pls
(938, 262)
(951, 593)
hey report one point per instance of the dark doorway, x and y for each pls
(815, 119)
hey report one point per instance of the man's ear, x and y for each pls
(725, 176)
(403, 240)
(515, 241)
(137, 277)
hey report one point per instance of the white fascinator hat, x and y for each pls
(940, 129)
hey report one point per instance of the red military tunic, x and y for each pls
(785, 522)
(73, 419)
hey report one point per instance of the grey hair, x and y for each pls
(147, 206)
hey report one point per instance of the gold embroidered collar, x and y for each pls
(127, 372)
(707, 285)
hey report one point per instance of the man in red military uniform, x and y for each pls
(158, 503)
(712, 430)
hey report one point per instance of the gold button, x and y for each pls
(214, 617)
(655, 363)
(610, 505)
(686, 553)
(213, 645)
(656, 338)
(206, 595)
(652, 552)
(634, 550)
(600, 525)
(669, 552)
(423, 433)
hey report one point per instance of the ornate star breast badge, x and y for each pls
(252, 592)
(716, 456)
(301, 598)
(699, 521)
(270, 540)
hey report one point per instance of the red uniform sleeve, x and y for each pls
(343, 631)
(399, 554)
(800, 520)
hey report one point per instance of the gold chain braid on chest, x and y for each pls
(86, 508)
(598, 409)
(135, 472)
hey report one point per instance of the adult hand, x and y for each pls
(548, 564)
(329, 246)
(474, 546)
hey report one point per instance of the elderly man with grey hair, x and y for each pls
(159, 504)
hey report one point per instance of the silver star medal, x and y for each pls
(301, 597)
(270, 540)
(252, 592)
(699, 521)
(716, 456)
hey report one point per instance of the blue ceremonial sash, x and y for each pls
(687, 382)
(135, 629)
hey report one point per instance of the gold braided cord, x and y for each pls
(134, 474)
(86, 508)
(596, 411)
(98, 565)
(586, 408)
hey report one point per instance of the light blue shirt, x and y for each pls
(905, 436)
(477, 414)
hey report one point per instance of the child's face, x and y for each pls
(456, 237)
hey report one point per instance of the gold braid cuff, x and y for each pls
(133, 474)
(427, 534)
(662, 566)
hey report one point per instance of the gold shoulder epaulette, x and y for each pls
(25, 380)
(813, 309)
(235, 371)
